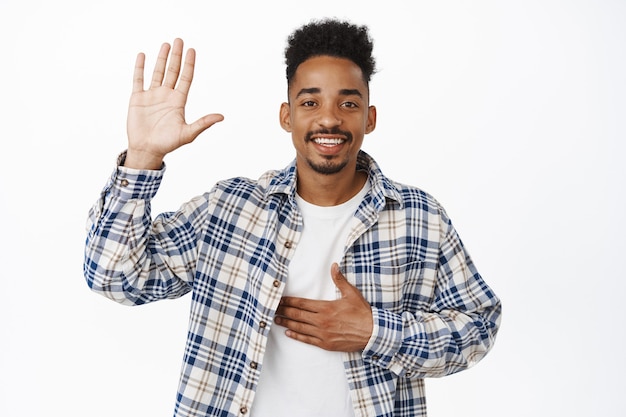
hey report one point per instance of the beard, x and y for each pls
(330, 165)
(327, 168)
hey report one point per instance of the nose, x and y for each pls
(328, 117)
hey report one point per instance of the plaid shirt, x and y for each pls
(433, 313)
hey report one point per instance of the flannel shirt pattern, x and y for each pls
(230, 247)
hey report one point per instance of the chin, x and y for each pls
(328, 167)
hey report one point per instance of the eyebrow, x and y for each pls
(342, 92)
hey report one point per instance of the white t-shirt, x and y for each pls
(299, 379)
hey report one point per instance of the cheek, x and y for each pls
(300, 123)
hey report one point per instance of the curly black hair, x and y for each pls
(331, 37)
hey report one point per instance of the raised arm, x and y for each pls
(156, 122)
(129, 257)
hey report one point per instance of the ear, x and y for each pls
(371, 119)
(285, 117)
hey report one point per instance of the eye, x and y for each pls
(350, 105)
(308, 103)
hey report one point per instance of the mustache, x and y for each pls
(333, 131)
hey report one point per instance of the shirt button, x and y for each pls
(124, 182)
(254, 365)
(289, 244)
(276, 283)
(263, 324)
(375, 357)
(243, 410)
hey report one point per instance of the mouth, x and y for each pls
(328, 142)
(329, 138)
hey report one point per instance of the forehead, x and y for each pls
(329, 71)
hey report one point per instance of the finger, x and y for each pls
(202, 124)
(304, 338)
(303, 304)
(186, 77)
(295, 327)
(286, 314)
(159, 66)
(339, 279)
(311, 335)
(174, 64)
(138, 74)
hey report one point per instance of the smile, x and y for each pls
(328, 141)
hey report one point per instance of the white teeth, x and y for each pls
(328, 141)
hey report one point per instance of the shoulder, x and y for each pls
(254, 191)
(415, 198)
(394, 194)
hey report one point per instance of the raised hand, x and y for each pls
(343, 325)
(156, 122)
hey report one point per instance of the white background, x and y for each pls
(511, 113)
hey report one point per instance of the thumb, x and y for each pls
(203, 124)
(339, 279)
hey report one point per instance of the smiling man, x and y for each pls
(322, 289)
(328, 115)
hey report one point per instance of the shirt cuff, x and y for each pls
(129, 183)
(386, 338)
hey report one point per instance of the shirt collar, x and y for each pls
(284, 182)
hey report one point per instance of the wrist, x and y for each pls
(138, 159)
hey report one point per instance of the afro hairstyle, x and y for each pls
(330, 37)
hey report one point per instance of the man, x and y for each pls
(323, 289)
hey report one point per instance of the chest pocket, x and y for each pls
(395, 288)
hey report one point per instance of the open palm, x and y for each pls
(156, 122)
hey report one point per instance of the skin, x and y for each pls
(156, 122)
(328, 100)
(343, 325)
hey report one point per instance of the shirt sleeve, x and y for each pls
(128, 257)
(456, 332)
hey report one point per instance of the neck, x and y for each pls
(330, 190)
